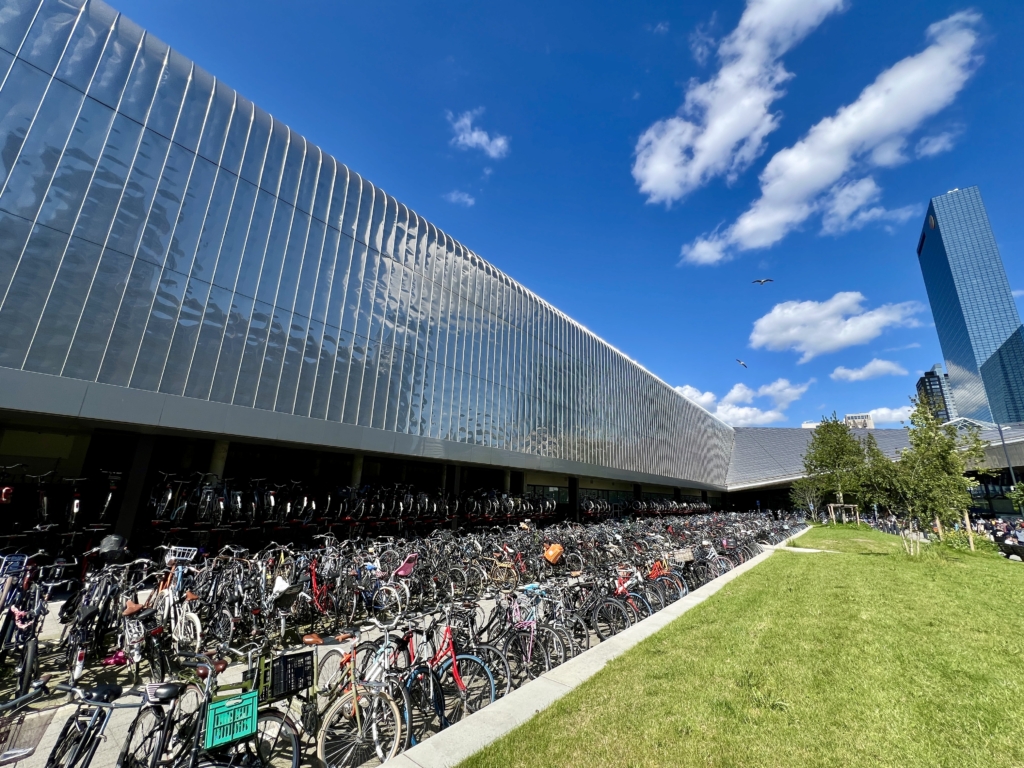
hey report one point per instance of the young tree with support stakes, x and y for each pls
(806, 494)
(930, 473)
(835, 459)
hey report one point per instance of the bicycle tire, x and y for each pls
(478, 682)
(498, 664)
(426, 704)
(275, 744)
(75, 745)
(346, 741)
(142, 741)
(608, 618)
(189, 634)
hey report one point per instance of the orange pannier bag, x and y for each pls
(553, 553)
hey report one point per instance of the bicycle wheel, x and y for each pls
(223, 625)
(327, 673)
(76, 743)
(426, 704)
(143, 739)
(500, 670)
(552, 643)
(276, 743)
(189, 633)
(527, 658)
(366, 734)
(474, 693)
(609, 618)
(186, 720)
(580, 633)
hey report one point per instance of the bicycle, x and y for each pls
(83, 731)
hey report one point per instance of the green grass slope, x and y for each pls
(864, 657)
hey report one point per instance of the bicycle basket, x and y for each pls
(291, 674)
(180, 555)
(21, 733)
(682, 556)
(231, 719)
(11, 564)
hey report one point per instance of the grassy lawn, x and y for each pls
(865, 657)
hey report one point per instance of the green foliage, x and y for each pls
(806, 494)
(932, 483)
(1017, 496)
(835, 459)
(958, 539)
(880, 477)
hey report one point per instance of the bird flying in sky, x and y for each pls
(762, 282)
(741, 362)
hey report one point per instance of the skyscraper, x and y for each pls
(934, 388)
(975, 314)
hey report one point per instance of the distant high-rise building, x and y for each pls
(975, 314)
(859, 421)
(934, 389)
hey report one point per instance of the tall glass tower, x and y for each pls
(975, 314)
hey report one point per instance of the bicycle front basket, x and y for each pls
(180, 555)
(21, 733)
(231, 719)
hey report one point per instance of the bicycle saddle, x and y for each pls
(315, 639)
(168, 692)
(131, 608)
(106, 693)
(190, 596)
(219, 665)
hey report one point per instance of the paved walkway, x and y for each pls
(453, 745)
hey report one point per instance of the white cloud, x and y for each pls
(736, 407)
(468, 136)
(1017, 294)
(721, 127)
(891, 415)
(846, 207)
(929, 146)
(912, 345)
(814, 175)
(872, 370)
(809, 424)
(817, 327)
(660, 28)
(460, 198)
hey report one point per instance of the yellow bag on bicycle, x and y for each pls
(553, 553)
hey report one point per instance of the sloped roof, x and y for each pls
(769, 455)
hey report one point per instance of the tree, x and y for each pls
(880, 477)
(835, 459)
(806, 494)
(931, 480)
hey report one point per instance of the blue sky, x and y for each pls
(639, 164)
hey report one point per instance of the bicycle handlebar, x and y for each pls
(38, 688)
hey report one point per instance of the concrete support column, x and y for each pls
(574, 498)
(135, 486)
(357, 471)
(508, 481)
(444, 479)
(219, 457)
(704, 496)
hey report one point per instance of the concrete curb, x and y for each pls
(453, 745)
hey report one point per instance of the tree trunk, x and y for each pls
(970, 532)
(938, 526)
(857, 512)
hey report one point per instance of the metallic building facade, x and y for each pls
(160, 233)
(975, 314)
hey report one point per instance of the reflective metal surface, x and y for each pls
(161, 233)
